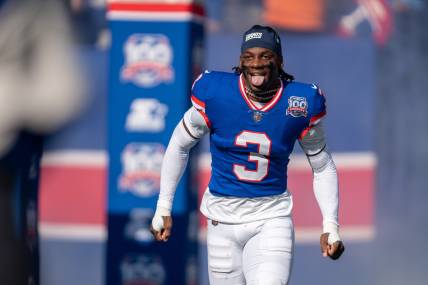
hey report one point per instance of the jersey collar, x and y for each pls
(250, 104)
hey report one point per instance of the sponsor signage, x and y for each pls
(148, 60)
(141, 166)
(156, 51)
(146, 115)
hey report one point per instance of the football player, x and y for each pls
(253, 117)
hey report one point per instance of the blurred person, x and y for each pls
(40, 82)
(40, 90)
(253, 117)
(377, 12)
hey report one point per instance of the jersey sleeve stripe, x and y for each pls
(305, 132)
(198, 104)
(317, 118)
(207, 121)
(314, 121)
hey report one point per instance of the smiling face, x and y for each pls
(260, 67)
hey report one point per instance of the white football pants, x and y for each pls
(256, 253)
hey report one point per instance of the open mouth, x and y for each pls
(257, 79)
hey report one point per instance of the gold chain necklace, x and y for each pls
(262, 97)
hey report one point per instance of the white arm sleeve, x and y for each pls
(325, 182)
(186, 134)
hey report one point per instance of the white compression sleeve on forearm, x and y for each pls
(186, 134)
(326, 191)
(325, 181)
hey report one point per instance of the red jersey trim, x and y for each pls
(275, 99)
(313, 121)
(197, 103)
(207, 121)
(305, 132)
(242, 91)
(250, 104)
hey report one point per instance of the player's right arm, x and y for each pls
(187, 133)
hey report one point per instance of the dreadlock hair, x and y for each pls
(282, 74)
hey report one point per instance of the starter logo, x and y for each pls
(297, 106)
(148, 60)
(146, 115)
(141, 166)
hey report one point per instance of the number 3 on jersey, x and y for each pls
(260, 157)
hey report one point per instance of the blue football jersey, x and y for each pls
(250, 146)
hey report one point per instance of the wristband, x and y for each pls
(157, 222)
(333, 230)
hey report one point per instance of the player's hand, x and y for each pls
(333, 250)
(161, 227)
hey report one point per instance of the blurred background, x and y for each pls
(98, 87)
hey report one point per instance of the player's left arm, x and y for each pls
(326, 188)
